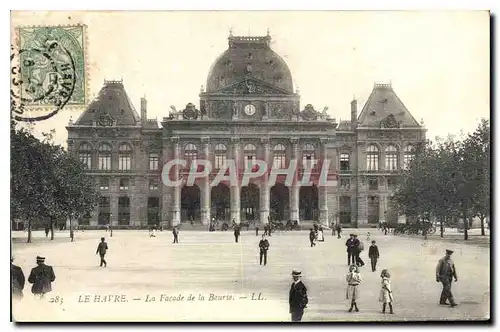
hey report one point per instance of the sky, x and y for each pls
(437, 62)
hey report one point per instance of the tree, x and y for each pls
(47, 182)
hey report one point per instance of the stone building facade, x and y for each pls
(249, 111)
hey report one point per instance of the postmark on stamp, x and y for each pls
(48, 71)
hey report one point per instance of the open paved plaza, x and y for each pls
(208, 277)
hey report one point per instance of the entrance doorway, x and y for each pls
(279, 202)
(190, 203)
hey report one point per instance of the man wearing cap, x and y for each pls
(264, 247)
(101, 249)
(17, 280)
(41, 277)
(445, 272)
(298, 297)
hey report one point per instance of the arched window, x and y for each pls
(372, 155)
(409, 155)
(279, 156)
(124, 157)
(250, 153)
(391, 158)
(190, 153)
(308, 156)
(104, 157)
(220, 155)
(85, 155)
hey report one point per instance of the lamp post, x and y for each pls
(110, 225)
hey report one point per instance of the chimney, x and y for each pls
(354, 113)
(144, 109)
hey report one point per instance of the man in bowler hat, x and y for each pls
(351, 245)
(17, 280)
(42, 276)
(445, 272)
(298, 297)
(102, 248)
(264, 247)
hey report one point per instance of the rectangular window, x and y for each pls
(104, 184)
(279, 161)
(153, 184)
(391, 162)
(392, 183)
(407, 160)
(249, 161)
(153, 161)
(105, 162)
(124, 162)
(344, 162)
(86, 159)
(220, 160)
(373, 184)
(124, 184)
(372, 162)
(345, 183)
(308, 161)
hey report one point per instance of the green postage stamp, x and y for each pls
(52, 66)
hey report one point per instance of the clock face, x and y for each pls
(249, 110)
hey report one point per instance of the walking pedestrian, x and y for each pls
(298, 297)
(102, 248)
(47, 229)
(339, 230)
(236, 232)
(374, 255)
(353, 279)
(175, 231)
(256, 230)
(386, 291)
(368, 236)
(17, 280)
(42, 276)
(312, 237)
(320, 235)
(358, 248)
(445, 272)
(264, 247)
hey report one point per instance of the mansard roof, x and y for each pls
(384, 109)
(111, 104)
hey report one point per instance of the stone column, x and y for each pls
(176, 208)
(205, 185)
(294, 193)
(113, 201)
(322, 189)
(235, 188)
(264, 183)
(382, 209)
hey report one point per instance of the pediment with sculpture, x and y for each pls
(251, 86)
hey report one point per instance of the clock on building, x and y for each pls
(249, 109)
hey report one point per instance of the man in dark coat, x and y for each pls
(236, 232)
(358, 248)
(350, 244)
(298, 297)
(312, 237)
(41, 277)
(445, 272)
(374, 255)
(175, 231)
(102, 248)
(17, 280)
(264, 247)
(339, 230)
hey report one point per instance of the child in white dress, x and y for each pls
(386, 291)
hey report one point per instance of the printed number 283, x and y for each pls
(56, 299)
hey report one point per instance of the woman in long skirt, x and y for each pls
(386, 291)
(353, 279)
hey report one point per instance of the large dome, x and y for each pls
(250, 56)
